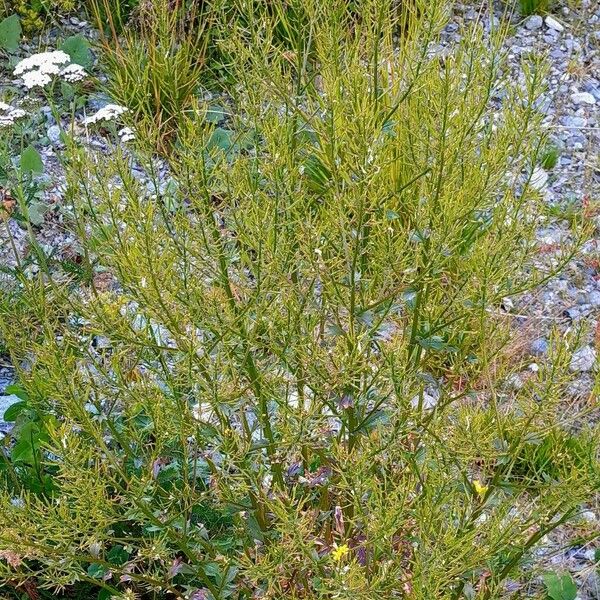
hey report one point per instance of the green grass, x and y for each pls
(534, 7)
(298, 390)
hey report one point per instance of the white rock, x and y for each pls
(534, 22)
(539, 179)
(583, 98)
(583, 360)
(552, 23)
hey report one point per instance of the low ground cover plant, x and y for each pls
(280, 375)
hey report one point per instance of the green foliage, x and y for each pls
(10, 33)
(31, 161)
(251, 393)
(550, 157)
(559, 587)
(35, 14)
(78, 48)
(534, 7)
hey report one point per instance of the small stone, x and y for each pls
(515, 382)
(53, 134)
(539, 179)
(583, 360)
(428, 402)
(552, 23)
(583, 98)
(534, 22)
(590, 555)
(594, 298)
(574, 122)
(571, 313)
(539, 347)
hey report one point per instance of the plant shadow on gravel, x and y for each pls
(275, 384)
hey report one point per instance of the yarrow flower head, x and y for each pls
(9, 114)
(38, 69)
(73, 72)
(107, 113)
(127, 134)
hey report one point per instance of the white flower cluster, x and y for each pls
(9, 114)
(127, 134)
(107, 113)
(73, 73)
(38, 69)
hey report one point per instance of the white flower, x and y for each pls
(9, 114)
(37, 70)
(73, 72)
(107, 113)
(126, 134)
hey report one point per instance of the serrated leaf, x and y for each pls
(78, 48)
(31, 161)
(10, 33)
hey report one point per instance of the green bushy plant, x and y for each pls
(257, 393)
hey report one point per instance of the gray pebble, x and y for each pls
(583, 98)
(574, 122)
(553, 24)
(594, 298)
(534, 22)
(539, 347)
(583, 360)
(53, 134)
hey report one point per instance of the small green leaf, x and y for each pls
(78, 48)
(436, 343)
(117, 555)
(214, 114)
(31, 161)
(559, 587)
(18, 391)
(96, 571)
(36, 213)
(10, 33)
(13, 411)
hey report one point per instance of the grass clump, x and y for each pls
(534, 7)
(155, 64)
(253, 396)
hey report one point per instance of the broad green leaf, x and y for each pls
(13, 411)
(78, 48)
(10, 33)
(18, 391)
(36, 213)
(31, 161)
(559, 587)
